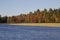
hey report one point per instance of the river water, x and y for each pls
(14, 32)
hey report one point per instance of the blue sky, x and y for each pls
(16, 7)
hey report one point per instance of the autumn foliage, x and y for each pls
(45, 16)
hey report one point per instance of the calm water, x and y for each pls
(11, 32)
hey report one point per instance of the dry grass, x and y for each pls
(39, 24)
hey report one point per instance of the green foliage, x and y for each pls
(3, 19)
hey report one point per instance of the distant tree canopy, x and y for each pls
(3, 19)
(45, 16)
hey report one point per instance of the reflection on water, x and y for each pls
(11, 32)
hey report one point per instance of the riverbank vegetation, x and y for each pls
(44, 16)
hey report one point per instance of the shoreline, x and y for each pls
(37, 24)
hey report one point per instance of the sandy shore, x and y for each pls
(39, 24)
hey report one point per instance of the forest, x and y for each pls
(44, 16)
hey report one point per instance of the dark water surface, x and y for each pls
(11, 32)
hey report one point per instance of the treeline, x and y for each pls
(45, 16)
(3, 19)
